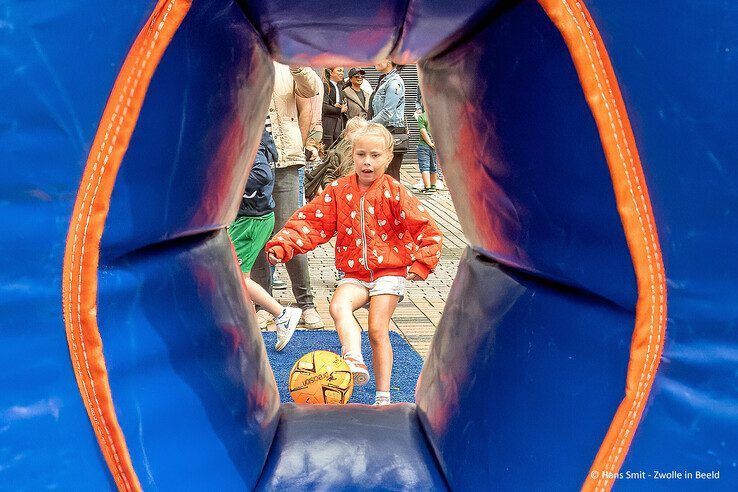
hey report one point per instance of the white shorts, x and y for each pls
(389, 284)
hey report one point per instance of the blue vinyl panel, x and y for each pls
(433, 25)
(314, 32)
(523, 156)
(58, 61)
(198, 130)
(677, 67)
(521, 383)
(191, 381)
(350, 448)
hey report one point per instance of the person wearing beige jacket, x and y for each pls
(294, 90)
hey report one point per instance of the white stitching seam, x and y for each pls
(95, 421)
(651, 249)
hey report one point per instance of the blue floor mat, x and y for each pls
(405, 370)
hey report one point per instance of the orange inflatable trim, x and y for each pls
(634, 206)
(79, 290)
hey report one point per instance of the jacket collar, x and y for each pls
(355, 183)
(351, 94)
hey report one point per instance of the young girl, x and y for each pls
(381, 230)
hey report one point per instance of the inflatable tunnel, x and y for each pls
(590, 338)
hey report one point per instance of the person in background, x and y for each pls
(311, 127)
(334, 106)
(420, 109)
(427, 160)
(337, 162)
(387, 105)
(356, 97)
(289, 83)
(251, 230)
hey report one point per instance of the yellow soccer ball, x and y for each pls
(321, 377)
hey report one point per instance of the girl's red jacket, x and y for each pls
(379, 232)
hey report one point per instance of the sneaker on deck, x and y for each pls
(381, 401)
(358, 370)
(440, 185)
(418, 186)
(312, 320)
(286, 324)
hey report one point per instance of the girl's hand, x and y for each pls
(272, 258)
(414, 277)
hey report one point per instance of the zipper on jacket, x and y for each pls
(363, 240)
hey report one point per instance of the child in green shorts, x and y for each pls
(250, 232)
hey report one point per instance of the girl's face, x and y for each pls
(371, 158)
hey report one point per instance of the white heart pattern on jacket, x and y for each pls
(353, 214)
(400, 235)
(381, 222)
(402, 215)
(349, 197)
(318, 213)
(380, 259)
(384, 237)
(409, 246)
(371, 210)
(397, 197)
(349, 231)
(322, 234)
(305, 229)
(358, 242)
(387, 194)
(299, 242)
(397, 222)
(351, 263)
(301, 216)
(335, 183)
(327, 198)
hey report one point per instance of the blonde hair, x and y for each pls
(354, 124)
(374, 130)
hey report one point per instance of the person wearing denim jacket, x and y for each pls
(388, 107)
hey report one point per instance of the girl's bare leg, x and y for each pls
(347, 299)
(262, 297)
(381, 308)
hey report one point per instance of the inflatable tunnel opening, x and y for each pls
(546, 368)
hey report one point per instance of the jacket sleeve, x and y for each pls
(308, 228)
(392, 97)
(307, 82)
(423, 231)
(260, 175)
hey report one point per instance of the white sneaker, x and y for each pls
(312, 320)
(286, 324)
(439, 185)
(358, 370)
(381, 401)
(418, 186)
(263, 318)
